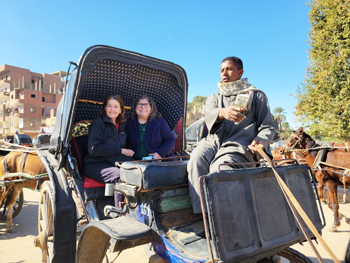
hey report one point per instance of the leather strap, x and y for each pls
(295, 207)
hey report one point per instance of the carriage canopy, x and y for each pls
(103, 70)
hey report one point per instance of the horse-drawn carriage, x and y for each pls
(247, 217)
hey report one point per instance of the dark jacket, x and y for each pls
(158, 137)
(100, 147)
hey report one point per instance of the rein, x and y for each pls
(298, 212)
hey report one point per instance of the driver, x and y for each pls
(237, 118)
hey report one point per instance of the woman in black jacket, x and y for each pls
(106, 144)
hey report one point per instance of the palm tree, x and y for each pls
(280, 116)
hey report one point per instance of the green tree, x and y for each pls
(287, 131)
(198, 102)
(324, 96)
(280, 116)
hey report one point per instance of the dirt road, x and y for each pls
(18, 247)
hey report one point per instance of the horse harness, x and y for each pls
(321, 153)
(4, 165)
(319, 160)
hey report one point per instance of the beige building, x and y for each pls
(192, 116)
(28, 100)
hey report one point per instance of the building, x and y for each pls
(192, 116)
(28, 99)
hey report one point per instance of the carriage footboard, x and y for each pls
(119, 234)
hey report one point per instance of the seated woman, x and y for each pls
(106, 144)
(148, 132)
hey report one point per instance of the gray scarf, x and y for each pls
(234, 88)
(242, 89)
(239, 88)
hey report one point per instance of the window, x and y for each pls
(43, 99)
(11, 96)
(32, 109)
(32, 124)
(32, 81)
(32, 95)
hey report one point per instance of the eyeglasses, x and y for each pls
(140, 105)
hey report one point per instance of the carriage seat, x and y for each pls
(154, 175)
(80, 149)
(80, 144)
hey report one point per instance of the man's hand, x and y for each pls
(232, 113)
(256, 143)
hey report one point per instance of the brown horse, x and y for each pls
(280, 154)
(331, 167)
(343, 146)
(14, 164)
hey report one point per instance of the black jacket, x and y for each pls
(104, 140)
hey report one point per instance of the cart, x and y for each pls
(157, 211)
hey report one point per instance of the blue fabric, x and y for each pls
(158, 137)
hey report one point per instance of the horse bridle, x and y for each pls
(286, 149)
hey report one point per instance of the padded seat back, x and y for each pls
(79, 147)
(80, 150)
(154, 175)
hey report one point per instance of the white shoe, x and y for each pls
(112, 211)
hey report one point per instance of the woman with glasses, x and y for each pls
(148, 133)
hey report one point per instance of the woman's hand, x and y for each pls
(127, 152)
(155, 155)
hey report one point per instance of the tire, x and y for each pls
(46, 222)
(293, 256)
(16, 208)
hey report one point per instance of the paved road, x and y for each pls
(19, 248)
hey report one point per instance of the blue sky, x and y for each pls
(271, 37)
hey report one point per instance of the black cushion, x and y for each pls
(154, 175)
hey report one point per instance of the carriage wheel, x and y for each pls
(45, 222)
(16, 208)
(293, 256)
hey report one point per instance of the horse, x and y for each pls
(17, 162)
(343, 146)
(279, 154)
(331, 167)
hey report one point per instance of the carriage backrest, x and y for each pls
(79, 149)
(79, 142)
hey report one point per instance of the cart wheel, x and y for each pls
(45, 223)
(16, 208)
(293, 256)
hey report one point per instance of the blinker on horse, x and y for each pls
(331, 167)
